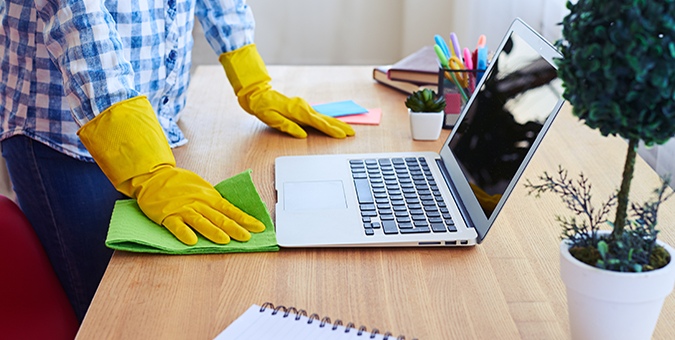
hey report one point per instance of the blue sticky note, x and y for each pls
(337, 109)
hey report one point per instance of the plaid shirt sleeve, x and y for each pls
(82, 41)
(228, 24)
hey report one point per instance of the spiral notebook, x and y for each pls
(288, 323)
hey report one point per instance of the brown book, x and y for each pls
(421, 67)
(380, 75)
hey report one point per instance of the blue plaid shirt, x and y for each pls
(66, 61)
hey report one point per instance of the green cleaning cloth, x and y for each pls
(131, 230)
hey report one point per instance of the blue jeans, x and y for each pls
(69, 204)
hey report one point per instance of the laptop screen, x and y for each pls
(503, 120)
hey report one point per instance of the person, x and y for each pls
(91, 92)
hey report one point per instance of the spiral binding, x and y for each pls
(325, 321)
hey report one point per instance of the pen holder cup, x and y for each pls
(456, 86)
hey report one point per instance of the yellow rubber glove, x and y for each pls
(247, 73)
(130, 147)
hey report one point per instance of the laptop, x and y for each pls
(446, 198)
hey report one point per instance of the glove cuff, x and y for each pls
(245, 69)
(127, 141)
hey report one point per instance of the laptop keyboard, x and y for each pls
(399, 196)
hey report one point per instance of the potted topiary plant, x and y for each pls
(618, 72)
(425, 109)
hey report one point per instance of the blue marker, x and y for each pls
(481, 63)
(443, 45)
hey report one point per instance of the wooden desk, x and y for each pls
(508, 287)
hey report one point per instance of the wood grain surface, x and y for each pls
(508, 287)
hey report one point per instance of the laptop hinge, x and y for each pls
(453, 191)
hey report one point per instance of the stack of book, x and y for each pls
(416, 71)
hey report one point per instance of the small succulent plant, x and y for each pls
(425, 100)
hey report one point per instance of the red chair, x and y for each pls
(33, 305)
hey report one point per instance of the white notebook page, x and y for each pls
(254, 324)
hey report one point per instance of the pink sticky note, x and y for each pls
(372, 117)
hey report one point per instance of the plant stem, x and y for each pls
(622, 197)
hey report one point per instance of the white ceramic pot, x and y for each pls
(604, 304)
(426, 125)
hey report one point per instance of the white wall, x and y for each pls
(383, 31)
(493, 17)
(346, 31)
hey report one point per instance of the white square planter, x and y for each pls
(426, 125)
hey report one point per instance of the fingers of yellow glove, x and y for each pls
(180, 230)
(281, 123)
(229, 226)
(307, 115)
(348, 130)
(245, 220)
(205, 227)
(322, 125)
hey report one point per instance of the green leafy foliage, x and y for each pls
(425, 100)
(618, 72)
(634, 250)
(618, 67)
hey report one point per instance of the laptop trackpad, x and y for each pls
(315, 195)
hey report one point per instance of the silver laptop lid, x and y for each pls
(503, 123)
